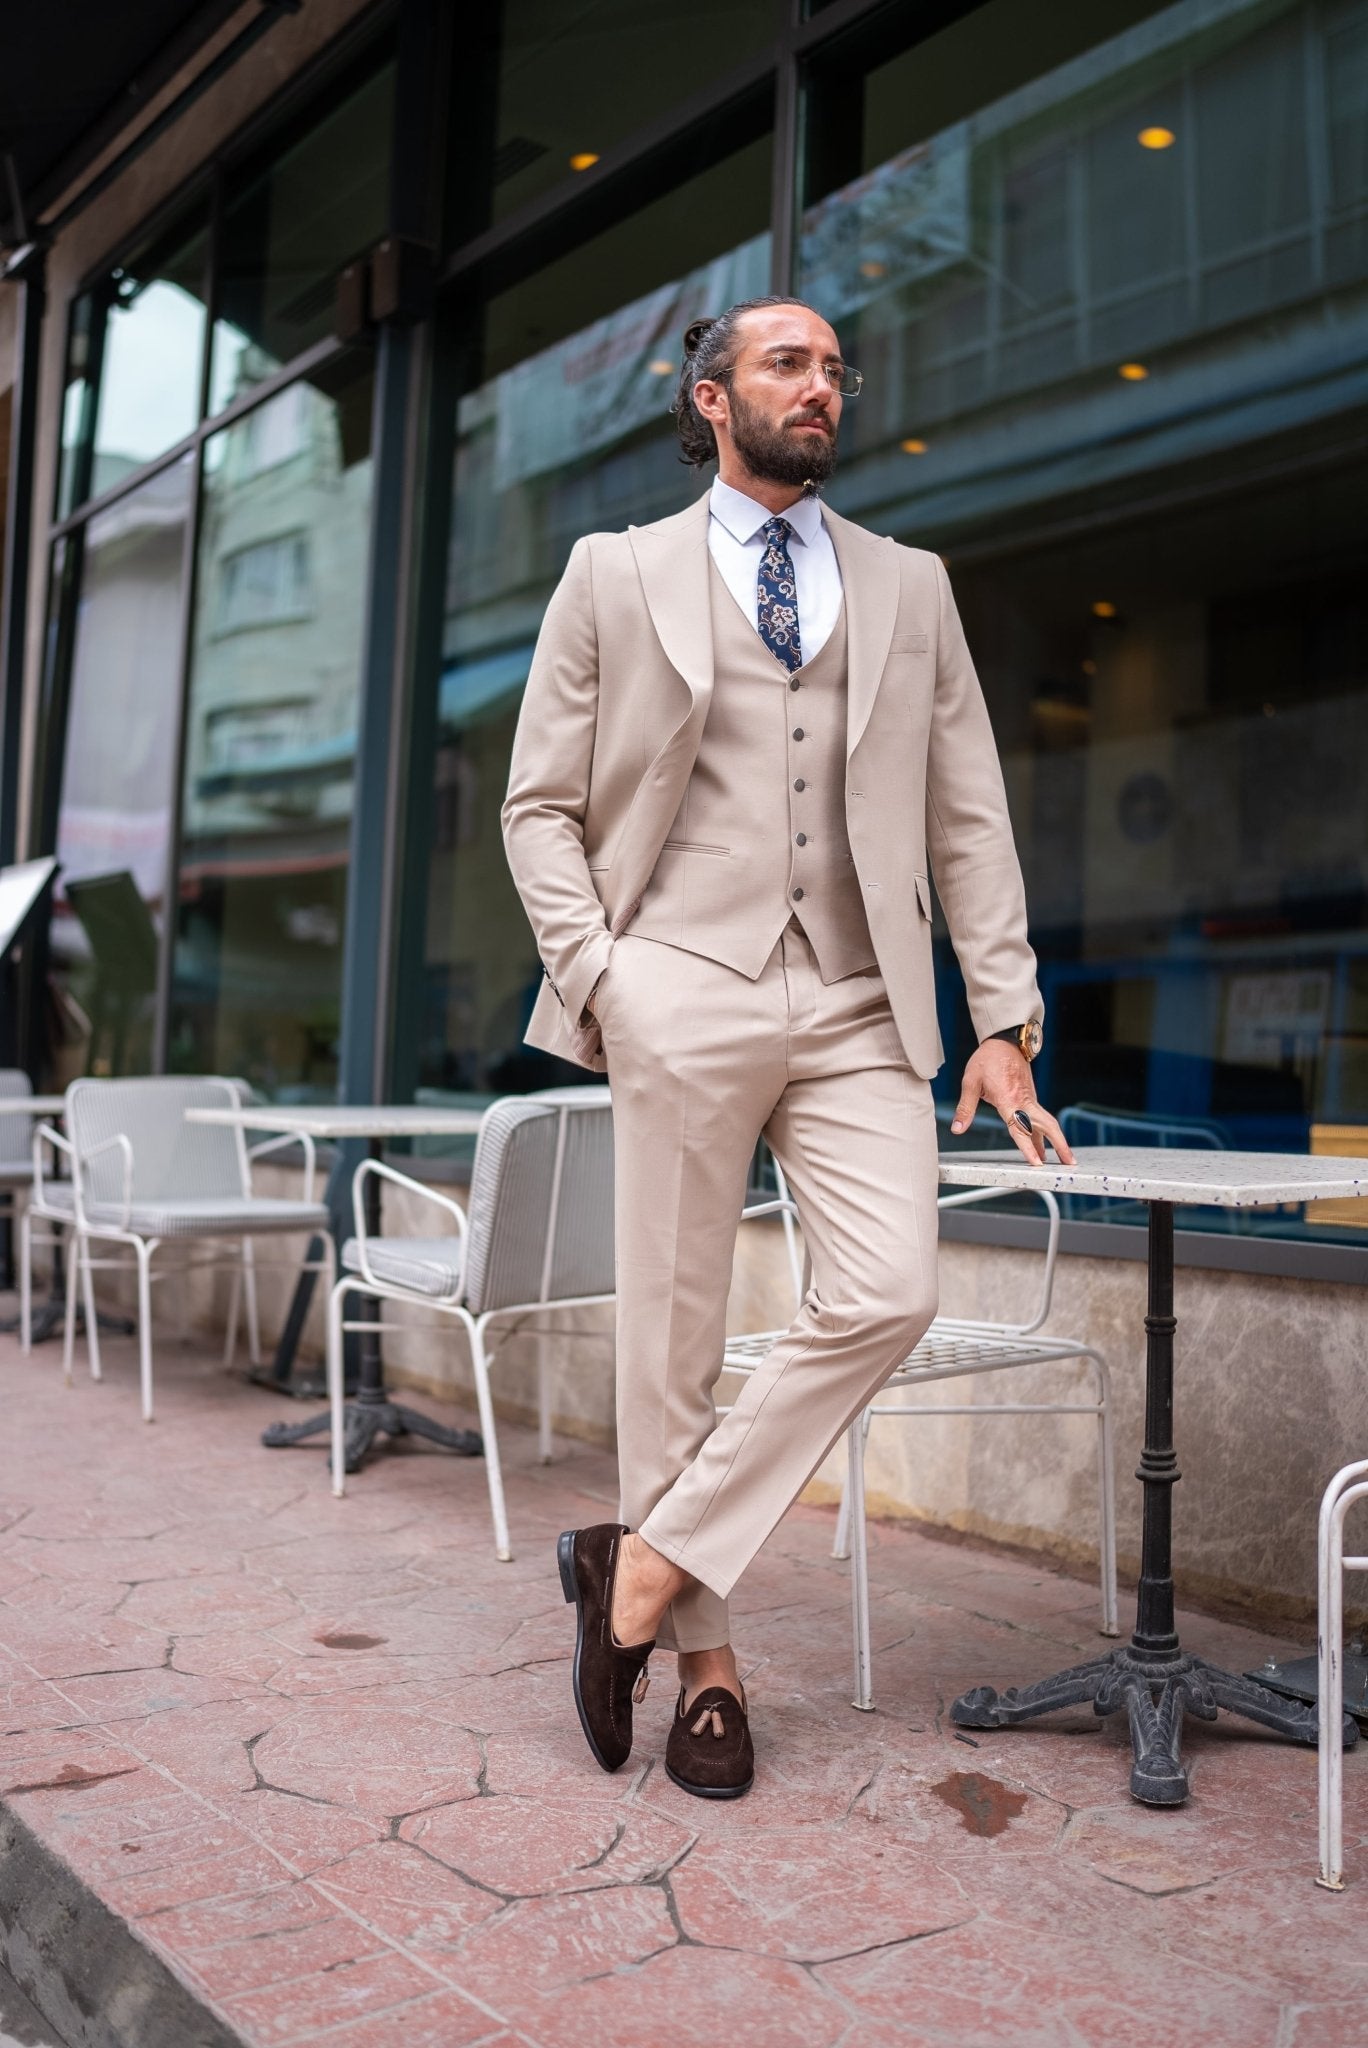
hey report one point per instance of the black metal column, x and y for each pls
(1155, 1635)
(28, 273)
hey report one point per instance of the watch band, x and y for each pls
(1027, 1038)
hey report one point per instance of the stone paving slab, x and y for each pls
(315, 1763)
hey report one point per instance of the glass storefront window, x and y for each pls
(271, 739)
(286, 234)
(114, 823)
(569, 83)
(1111, 302)
(565, 430)
(135, 360)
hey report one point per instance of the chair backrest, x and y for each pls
(172, 1159)
(1088, 1123)
(541, 1200)
(16, 1132)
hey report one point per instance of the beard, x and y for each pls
(773, 456)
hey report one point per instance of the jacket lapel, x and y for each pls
(869, 573)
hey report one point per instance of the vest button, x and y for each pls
(797, 732)
(802, 838)
(800, 784)
(795, 684)
(797, 895)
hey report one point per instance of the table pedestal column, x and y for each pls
(1151, 1677)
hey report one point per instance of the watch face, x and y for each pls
(1032, 1038)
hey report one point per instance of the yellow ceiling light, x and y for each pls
(583, 159)
(1133, 373)
(913, 446)
(661, 367)
(1156, 138)
(1104, 609)
(872, 269)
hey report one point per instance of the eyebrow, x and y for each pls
(796, 348)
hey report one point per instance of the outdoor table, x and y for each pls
(1152, 1676)
(372, 1414)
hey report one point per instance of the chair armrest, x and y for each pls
(279, 1144)
(381, 1171)
(46, 1134)
(120, 1142)
(965, 1197)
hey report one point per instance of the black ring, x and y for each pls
(1024, 1121)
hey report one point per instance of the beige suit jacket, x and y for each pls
(609, 729)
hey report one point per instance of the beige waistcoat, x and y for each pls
(760, 835)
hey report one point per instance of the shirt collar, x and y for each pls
(743, 518)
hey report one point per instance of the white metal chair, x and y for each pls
(142, 1176)
(538, 1236)
(16, 1145)
(951, 1349)
(1347, 1487)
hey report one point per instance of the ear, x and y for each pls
(710, 399)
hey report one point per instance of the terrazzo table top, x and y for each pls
(347, 1120)
(1133, 1173)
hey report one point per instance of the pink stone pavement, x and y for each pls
(321, 1756)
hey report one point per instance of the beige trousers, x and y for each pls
(702, 1061)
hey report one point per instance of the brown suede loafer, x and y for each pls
(607, 1677)
(709, 1752)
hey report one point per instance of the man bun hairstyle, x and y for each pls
(710, 348)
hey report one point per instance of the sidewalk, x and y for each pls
(320, 1755)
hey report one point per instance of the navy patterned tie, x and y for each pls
(776, 611)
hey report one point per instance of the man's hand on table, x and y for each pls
(1001, 1075)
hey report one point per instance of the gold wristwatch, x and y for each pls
(1027, 1038)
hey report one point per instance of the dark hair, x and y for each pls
(710, 351)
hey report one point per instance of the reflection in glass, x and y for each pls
(286, 234)
(566, 432)
(135, 358)
(570, 83)
(1108, 316)
(271, 740)
(118, 776)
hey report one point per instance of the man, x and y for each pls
(745, 729)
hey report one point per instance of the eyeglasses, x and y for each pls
(789, 368)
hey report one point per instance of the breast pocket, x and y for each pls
(905, 644)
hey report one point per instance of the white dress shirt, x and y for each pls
(736, 543)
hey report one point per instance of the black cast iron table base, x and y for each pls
(1157, 1694)
(1152, 1677)
(365, 1419)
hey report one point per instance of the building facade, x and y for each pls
(335, 372)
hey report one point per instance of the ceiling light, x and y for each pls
(1156, 138)
(583, 159)
(1104, 609)
(1134, 373)
(1089, 668)
(872, 269)
(913, 447)
(661, 366)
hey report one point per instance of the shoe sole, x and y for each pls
(565, 1558)
(708, 1791)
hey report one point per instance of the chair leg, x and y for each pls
(336, 1404)
(234, 1305)
(1106, 1495)
(88, 1296)
(544, 1445)
(69, 1319)
(841, 1545)
(493, 1470)
(143, 1252)
(1329, 1695)
(249, 1280)
(859, 1566)
(26, 1283)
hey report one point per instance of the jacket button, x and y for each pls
(797, 895)
(795, 684)
(802, 838)
(797, 732)
(800, 784)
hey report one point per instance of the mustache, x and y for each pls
(811, 419)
